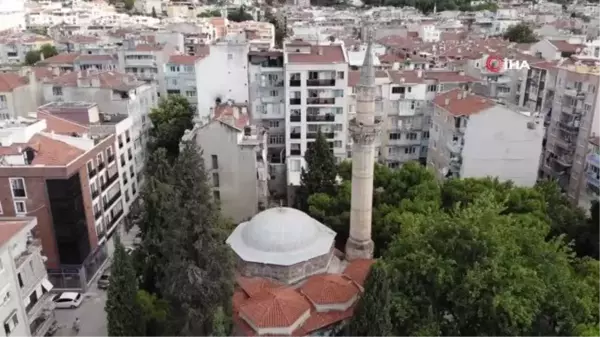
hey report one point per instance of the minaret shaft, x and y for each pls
(364, 129)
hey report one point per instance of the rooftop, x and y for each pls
(9, 227)
(461, 103)
(95, 79)
(318, 54)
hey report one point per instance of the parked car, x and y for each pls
(104, 281)
(67, 300)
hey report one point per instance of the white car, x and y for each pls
(67, 300)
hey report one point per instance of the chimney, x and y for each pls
(419, 73)
(447, 101)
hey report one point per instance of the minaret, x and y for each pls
(364, 129)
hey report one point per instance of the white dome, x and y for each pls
(281, 236)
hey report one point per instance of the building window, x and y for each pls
(215, 179)
(20, 207)
(338, 93)
(17, 186)
(230, 56)
(126, 195)
(397, 90)
(425, 135)
(127, 136)
(411, 136)
(120, 138)
(273, 124)
(410, 150)
(190, 93)
(3, 104)
(1, 212)
(274, 93)
(340, 75)
(215, 161)
(100, 159)
(10, 324)
(337, 144)
(57, 91)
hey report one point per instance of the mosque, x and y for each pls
(291, 280)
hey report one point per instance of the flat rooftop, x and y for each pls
(69, 105)
(110, 119)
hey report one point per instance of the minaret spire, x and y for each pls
(364, 129)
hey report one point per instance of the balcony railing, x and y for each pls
(112, 200)
(110, 181)
(568, 127)
(295, 83)
(313, 135)
(321, 118)
(295, 101)
(115, 218)
(41, 325)
(316, 100)
(295, 152)
(295, 118)
(295, 135)
(454, 147)
(32, 246)
(321, 83)
(92, 173)
(564, 160)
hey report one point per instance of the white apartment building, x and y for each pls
(429, 33)
(12, 15)
(474, 137)
(316, 80)
(180, 77)
(222, 76)
(26, 306)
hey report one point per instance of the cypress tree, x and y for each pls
(122, 309)
(372, 313)
(320, 173)
(200, 273)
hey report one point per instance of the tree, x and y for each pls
(129, 4)
(170, 119)
(122, 309)
(280, 32)
(154, 12)
(475, 271)
(154, 313)
(240, 15)
(520, 33)
(200, 272)
(34, 56)
(320, 173)
(372, 313)
(215, 13)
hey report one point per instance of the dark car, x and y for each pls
(104, 281)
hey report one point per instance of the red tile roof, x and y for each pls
(232, 115)
(61, 125)
(461, 103)
(65, 58)
(449, 76)
(275, 308)
(564, 46)
(358, 270)
(106, 79)
(51, 152)
(252, 286)
(8, 229)
(329, 289)
(184, 59)
(320, 55)
(408, 77)
(11, 81)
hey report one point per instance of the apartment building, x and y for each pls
(12, 15)
(15, 45)
(316, 80)
(45, 173)
(266, 91)
(573, 117)
(473, 136)
(27, 307)
(86, 118)
(180, 77)
(146, 61)
(552, 50)
(592, 170)
(235, 155)
(115, 93)
(18, 95)
(260, 35)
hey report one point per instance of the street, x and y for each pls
(91, 311)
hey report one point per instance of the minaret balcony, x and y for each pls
(316, 100)
(320, 82)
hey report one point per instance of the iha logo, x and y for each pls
(496, 64)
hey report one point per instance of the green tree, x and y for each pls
(320, 173)
(155, 312)
(122, 309)
(170, 119)
(215, 13)
(475, 271)
(129, 4)
(520, 33)
(372, 313)
(280, 29)
(200, 271)
(154, 12)
(34, 56)
(240, 15)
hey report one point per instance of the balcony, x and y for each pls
(115, 218)
(569, 127)
(321, 83)
(313, 135)
(571, 110)
(571, 92)
(321, 118)
(110, 181)
(92, 173)
(295, 135)
(295, 118)
(101, 167)
(454, 147)
(111, 158)
(564, 160)
(41, 325)
(316, 100)
(112, 200)
(32, 246)
(101, 234)
(295, 83)
(295, 101)
(45, 302)
(120, 145)
(97, 214)
(295, 152)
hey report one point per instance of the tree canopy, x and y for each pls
(170, 119)
(210, 14)
(34, 56)
(239, 15)
(280, 29)
(520, 33)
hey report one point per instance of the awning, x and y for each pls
(46, 285)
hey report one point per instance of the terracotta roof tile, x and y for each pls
(319, 320)
(11, 81)
(329, 289)
(52, 152)
(329, 54)
(61, 125)
(408, 77)
(460, 103)
(9, 228)
(106, 79)
(565, 46)
(184, 59)
(253, 286)
(238, 299)
(275, 308)
(449, 77)
(65, 58)
(358, 270)
(232, 115)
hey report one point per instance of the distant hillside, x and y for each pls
(426, 6)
